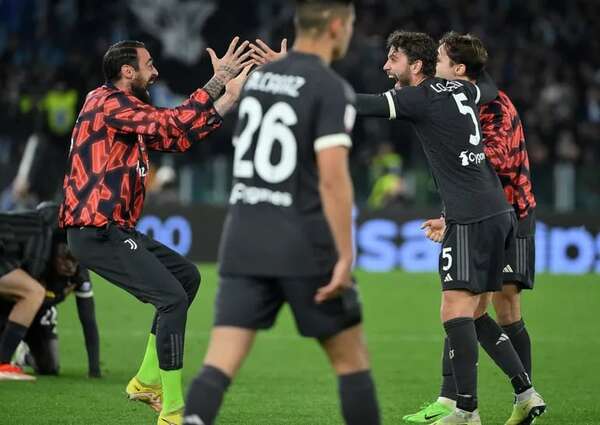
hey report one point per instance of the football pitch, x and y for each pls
(287, 380)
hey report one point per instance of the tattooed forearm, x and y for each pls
(216, 84)
(214, 87)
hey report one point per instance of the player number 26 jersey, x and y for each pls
(289, 110)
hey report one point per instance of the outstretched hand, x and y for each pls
(263, 54)
(234, 87)
(232, 62)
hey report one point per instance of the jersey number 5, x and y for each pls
(447, 255)
(464, 109)
(274, 126)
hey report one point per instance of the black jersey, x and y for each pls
(289, 110)
(446, 120)
(26, 240)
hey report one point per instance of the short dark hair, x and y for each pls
(417, 46)
(313, 15)
(119, 54)
(468, 50)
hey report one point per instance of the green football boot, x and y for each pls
(429, 413)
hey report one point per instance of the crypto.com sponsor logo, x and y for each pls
(468, 157)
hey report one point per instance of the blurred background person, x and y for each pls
(34, 254)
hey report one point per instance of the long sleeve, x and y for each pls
(407, 103)
(171, 130)
(496, 135)
(488, 88)
(87, 316)
(372, 105)
(86, 310)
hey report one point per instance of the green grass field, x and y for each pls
(287, 380)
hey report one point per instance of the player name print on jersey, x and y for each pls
(449, 86)
(269, 82)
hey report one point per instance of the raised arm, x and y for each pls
(373, 105)
(176, 128)
(406, 103)
(487, 87)
(164, 128)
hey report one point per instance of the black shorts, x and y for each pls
(41, 337)
(254, 302)
(520, 255)
(43, 327)
(472, 256)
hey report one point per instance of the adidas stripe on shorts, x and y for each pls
(473, 255)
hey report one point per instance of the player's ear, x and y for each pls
(336, 27)
(460, 69)
(416, 66)
(127, 71)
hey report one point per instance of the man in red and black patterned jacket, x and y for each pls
(504, 147)
(104, 195)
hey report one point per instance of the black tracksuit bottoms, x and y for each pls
(151, 272)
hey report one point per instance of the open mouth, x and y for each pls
(397, 84)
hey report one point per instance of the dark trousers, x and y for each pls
(149, 271)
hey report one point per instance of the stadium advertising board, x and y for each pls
(389, 239)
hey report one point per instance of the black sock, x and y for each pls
(205, 395)
(359, 401)
(499, 347)
(12, 335)
(517, 332)
(448, 389)
(464, 354)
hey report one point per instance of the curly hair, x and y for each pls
(468, 50)
(418, 46)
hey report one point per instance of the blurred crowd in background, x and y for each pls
(545, 54)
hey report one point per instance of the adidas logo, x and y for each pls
(503, 338)
(448, 278)
(132, 244)
(508, 269)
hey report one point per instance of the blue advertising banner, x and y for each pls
(390, 239)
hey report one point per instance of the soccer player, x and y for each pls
(104, 191)
(463, 57)
(480, 221)
(22, 255)
(288, 235)
(33, 240)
